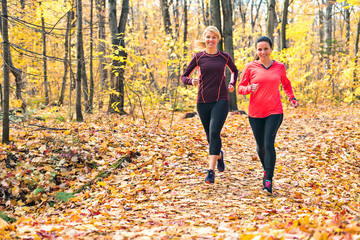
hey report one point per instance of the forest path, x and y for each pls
(162, 194)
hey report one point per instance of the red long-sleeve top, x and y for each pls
(212, 87)
(266, 100)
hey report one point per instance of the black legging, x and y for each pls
(213, 116)
(265, 130)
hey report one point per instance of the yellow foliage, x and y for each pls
(357, 92)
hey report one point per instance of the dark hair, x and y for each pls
(263, 39)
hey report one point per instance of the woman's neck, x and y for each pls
(211, 50)
(266, 62)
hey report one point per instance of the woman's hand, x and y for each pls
(231, 87)
(254, 87)
(294, 103)
(195, 81)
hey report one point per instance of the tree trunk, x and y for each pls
(16, 72)
(205, 12)
(103, 72)
(242, 10)
(253, 18)
(84, 80)
(66, 63)
(166, 16)
(6, 81)
(116, 103)
(172, 68)
(283, 24)
(328, 41)
(347, 25)
(79, 58)
(215, 19)
(328, 32)
(270, 21)
(321, 33)
(185, 36)
(356, 80)
(176, 20)
(229, 46)
(46, 84)
(91, 93)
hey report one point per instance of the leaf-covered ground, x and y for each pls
(161, 193)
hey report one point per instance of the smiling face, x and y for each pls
(263, 50)
(211, 40)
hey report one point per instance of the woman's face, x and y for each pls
(263, 50)
(211, 40)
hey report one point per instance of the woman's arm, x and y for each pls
(244, 88)
(285, 82)
(185, 78)
(234, 71)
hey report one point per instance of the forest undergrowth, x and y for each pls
(117, 177)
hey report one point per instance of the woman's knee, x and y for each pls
(214, 135)
(269, 147)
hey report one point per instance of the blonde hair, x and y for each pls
(200, 44)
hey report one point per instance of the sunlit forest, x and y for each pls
(101, 139)
(320, 49)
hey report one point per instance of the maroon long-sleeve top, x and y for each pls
(212, 86)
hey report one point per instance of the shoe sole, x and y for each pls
(208, 182)
(267, 192)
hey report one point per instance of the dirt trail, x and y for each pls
(162, 195)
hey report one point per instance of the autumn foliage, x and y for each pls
(161, 193)
(141, 175)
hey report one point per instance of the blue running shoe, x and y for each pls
(220, 162)
(210, 178)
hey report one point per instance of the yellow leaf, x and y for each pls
(357, 91)
(17, 103)
(3, 223)
(101, 184)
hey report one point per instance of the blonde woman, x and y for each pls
(212, 98)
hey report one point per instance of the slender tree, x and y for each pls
(176, 14)
(6, 80)
(22, 4)
(116, 103)
(243, 10)
(356, 80)
(185, 35)
(91, 93)
(254, 15)
(270, 21)
(166, 16)
(79, 58)
(205, 12)
(17, 73)
(101, 48)
(69, 17)
(347, 24)
(228, 44)
(328, 31)
(283, 24)
(46, 84)
(215, 18)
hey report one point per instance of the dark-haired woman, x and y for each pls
(261, 79)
